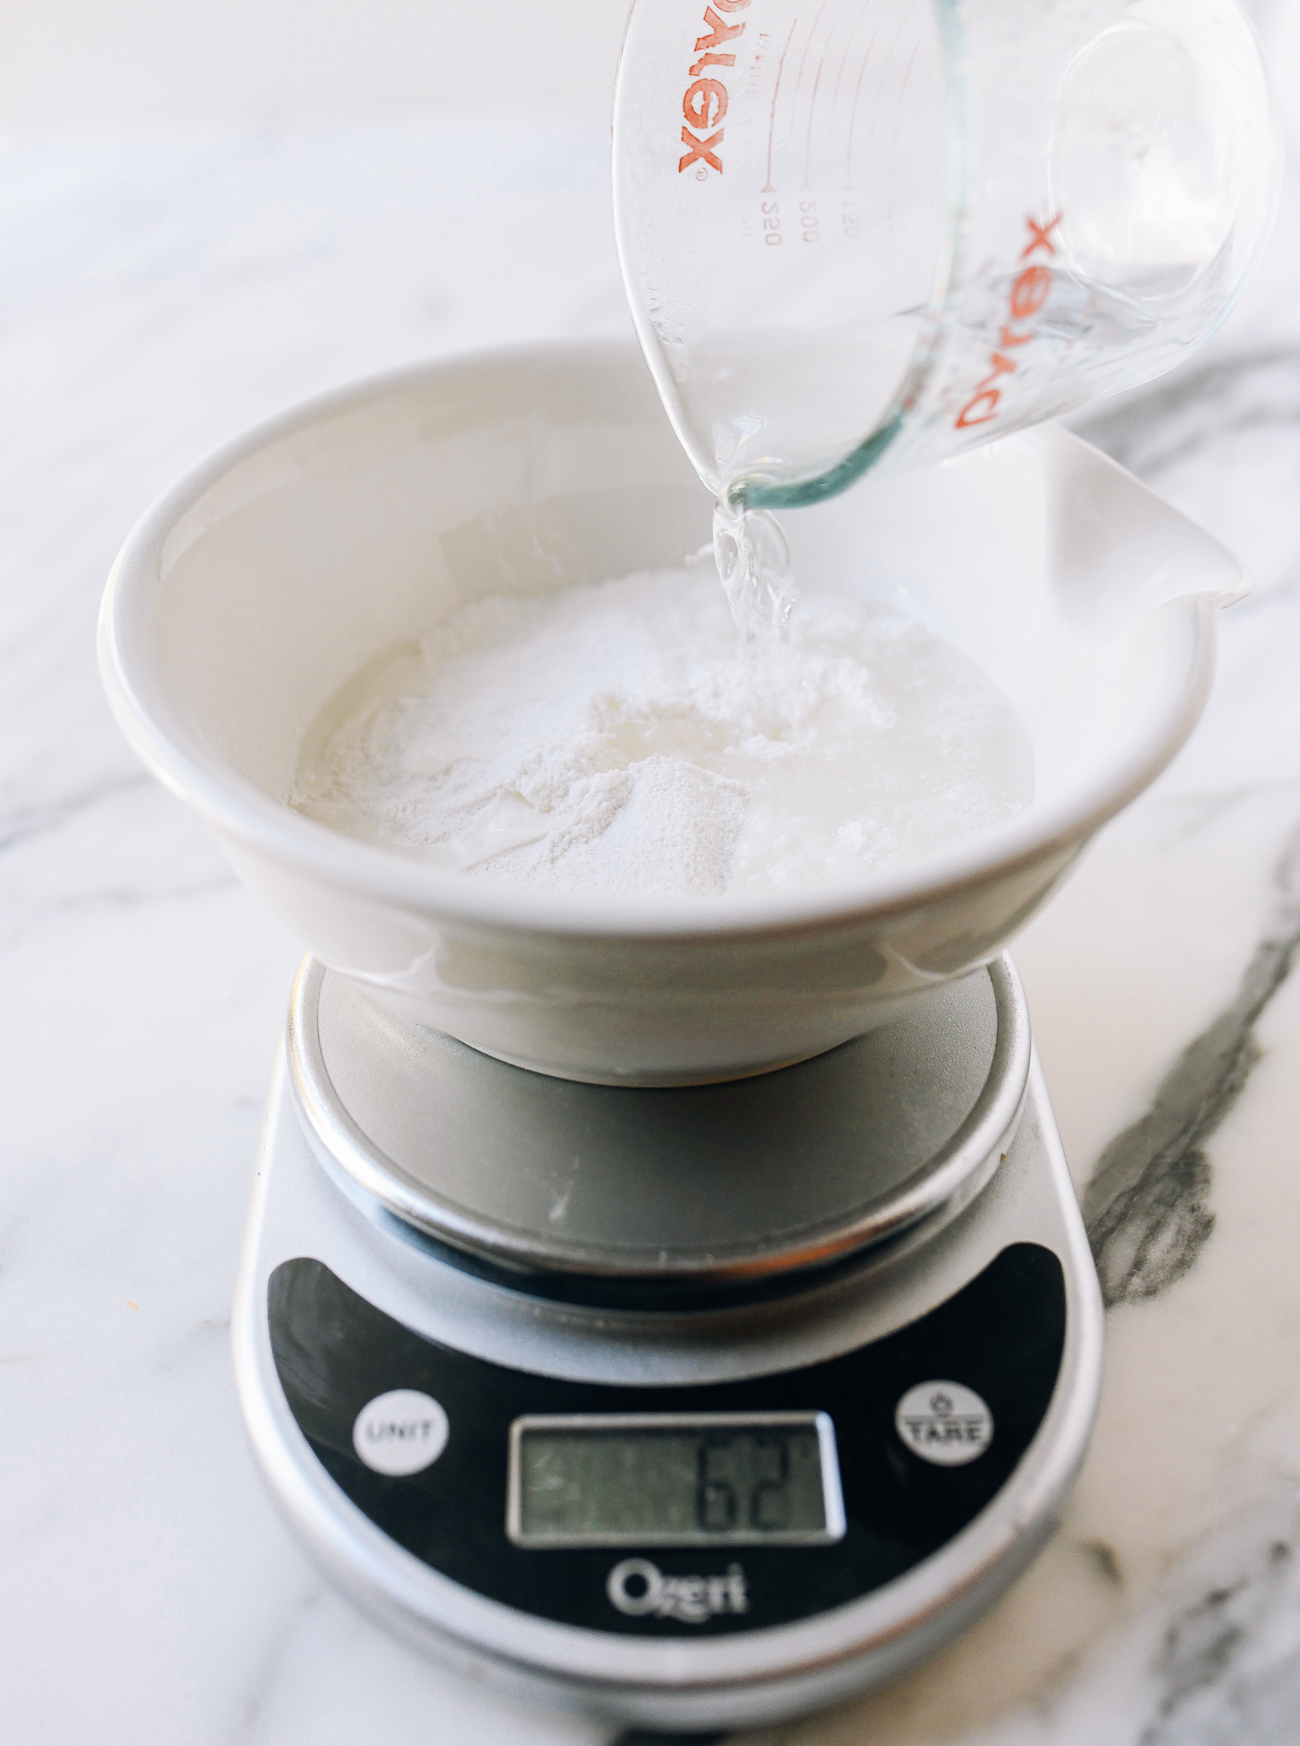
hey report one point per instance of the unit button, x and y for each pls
(944, 1422)
(400, 1432)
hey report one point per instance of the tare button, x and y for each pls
(944, 1423)
(401, 1432)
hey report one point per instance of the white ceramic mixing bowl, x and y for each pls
(264, 578)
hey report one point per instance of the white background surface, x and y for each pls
(70, 66)
(157, 296)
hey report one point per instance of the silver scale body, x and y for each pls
(864, 1188)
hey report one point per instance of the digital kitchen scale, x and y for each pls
(691, 1408)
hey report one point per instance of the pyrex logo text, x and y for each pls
(1029, 292)
(705, 102)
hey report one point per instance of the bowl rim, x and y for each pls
(238, 809)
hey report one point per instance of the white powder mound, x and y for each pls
(621, 738)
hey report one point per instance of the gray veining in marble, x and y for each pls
(158, 297)
(1147, 1204)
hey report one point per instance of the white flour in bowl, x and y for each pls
(621, 738)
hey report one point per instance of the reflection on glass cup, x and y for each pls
(869, 231)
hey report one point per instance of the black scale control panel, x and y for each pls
(923, 1428)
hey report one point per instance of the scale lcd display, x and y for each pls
(668, 1479)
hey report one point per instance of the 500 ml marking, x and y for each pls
(638, 1588)
(705, 102)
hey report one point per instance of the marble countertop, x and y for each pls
(164, 294)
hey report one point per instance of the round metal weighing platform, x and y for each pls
(746, 1183)
(879, 1247)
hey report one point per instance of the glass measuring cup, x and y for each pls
(883, 231)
